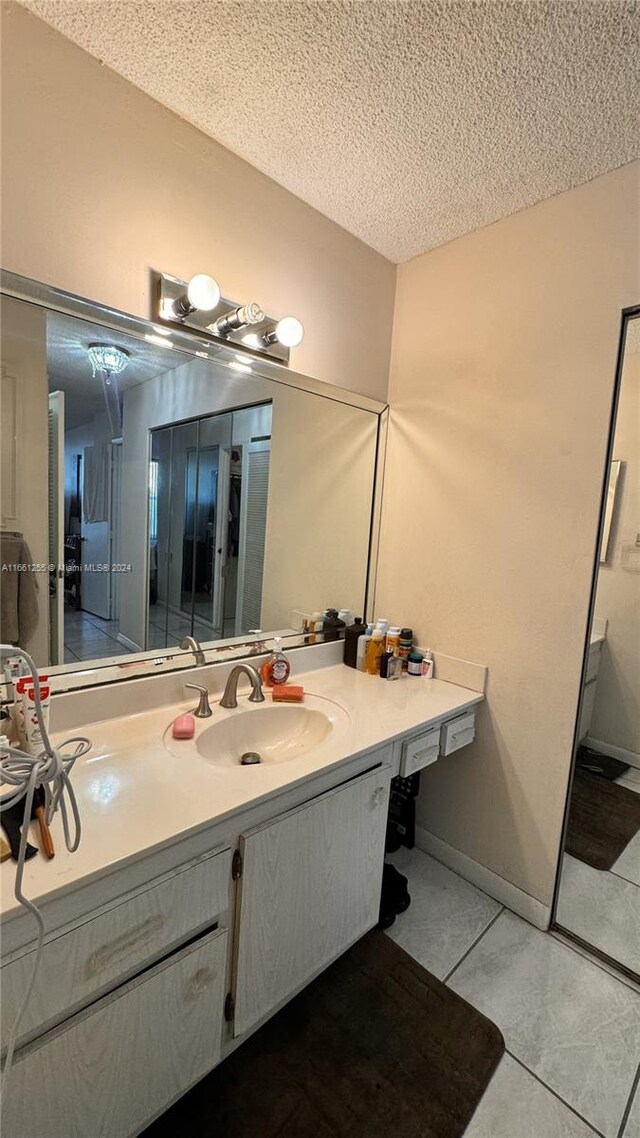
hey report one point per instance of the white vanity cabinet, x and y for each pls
(310, 887)
(108, 1071)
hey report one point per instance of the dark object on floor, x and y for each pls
(401, 822)
(374, 1047)
(596, 763)
(394, 897)
(603, 818)
(11, 819)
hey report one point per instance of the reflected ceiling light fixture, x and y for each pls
(236, 318)
(108, 361)
(107, 358)
(202, 295)
(288, 332)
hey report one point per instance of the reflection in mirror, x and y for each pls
(152, 494)
(599, 892)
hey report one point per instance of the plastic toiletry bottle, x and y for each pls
(332, 626)
(393, 640)
(361, 657)
(25, 689)
(385, 660)
(345, 615)
(276, 668)
(383, 624)
(406, 644)
(375, 648)
(352, 634)
(428, 664)
(414, 663)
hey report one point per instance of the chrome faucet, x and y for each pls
(230, 697)
(203, 710)
(191, 645)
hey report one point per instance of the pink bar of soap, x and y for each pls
(184, 727)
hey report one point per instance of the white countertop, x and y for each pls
(136, 797)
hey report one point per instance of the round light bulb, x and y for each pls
(203, 292)
(289, 331)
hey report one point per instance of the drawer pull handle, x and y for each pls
(110, 953)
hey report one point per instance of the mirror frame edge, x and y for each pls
(65, 678)
(632, 312)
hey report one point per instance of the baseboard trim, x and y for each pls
(612, 751)
(497, 887)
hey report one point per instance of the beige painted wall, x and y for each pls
(616, 717)
(24, 358)
(100, 184)
(502, 373)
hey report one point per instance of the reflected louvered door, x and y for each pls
(253, 524)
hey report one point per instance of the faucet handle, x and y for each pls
(203, 710)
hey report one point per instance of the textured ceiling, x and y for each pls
(408, 122)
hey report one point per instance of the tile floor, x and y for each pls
(603, 907)
(89, 637)
(571, 1028)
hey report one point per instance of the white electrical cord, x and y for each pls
(25, 773)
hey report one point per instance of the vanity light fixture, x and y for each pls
(236, 318)
(197, 306)
(203, 294)
(288, 332)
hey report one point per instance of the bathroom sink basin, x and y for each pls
(264, 733)
(277, 733)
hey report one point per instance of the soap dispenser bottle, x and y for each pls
(276, 668)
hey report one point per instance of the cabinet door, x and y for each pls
(111, 1069)
(310, 887)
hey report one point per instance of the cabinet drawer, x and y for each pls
(593, 662)
(112, 1068)
(420, 752)
(81, 964)
(457, 733)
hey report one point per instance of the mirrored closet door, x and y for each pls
(598, 899)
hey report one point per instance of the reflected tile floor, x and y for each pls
(90, 637)
(603, 908)
(572, 1029)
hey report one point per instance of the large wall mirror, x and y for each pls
(155, 487)
(598, 897)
